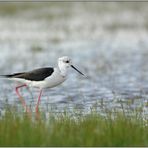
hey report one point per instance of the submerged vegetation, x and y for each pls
(62, 130)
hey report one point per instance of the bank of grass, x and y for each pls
(62, 130)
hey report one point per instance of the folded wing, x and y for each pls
(34, 75)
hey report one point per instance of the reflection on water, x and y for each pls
(106, 43)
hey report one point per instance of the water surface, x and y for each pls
(108, 42)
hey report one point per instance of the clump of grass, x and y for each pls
(62, 130)
(12, 8)
(36, 49)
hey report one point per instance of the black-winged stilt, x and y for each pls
(41, 78)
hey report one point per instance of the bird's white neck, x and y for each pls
(63, 69)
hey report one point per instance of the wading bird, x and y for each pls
(42, 78)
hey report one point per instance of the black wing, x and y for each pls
(34, 75)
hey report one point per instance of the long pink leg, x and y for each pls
(38, 102)
(21, 98)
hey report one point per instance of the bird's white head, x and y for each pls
(64, 63)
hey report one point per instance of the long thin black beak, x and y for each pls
(77, 70)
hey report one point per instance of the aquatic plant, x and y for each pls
(64, 130)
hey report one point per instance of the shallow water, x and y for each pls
(105, 42)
